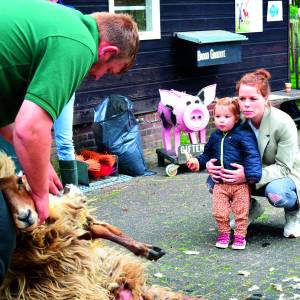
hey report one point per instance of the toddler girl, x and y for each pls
(232, 143)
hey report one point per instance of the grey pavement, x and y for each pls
(174, 213)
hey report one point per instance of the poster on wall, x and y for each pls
(248, 16)
(274, 11)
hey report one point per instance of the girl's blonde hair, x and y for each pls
(231, 103)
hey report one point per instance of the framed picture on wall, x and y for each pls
(248, 16)
(274, 11)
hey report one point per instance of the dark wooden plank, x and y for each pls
(190, 24)
(264, 48)
(157, 65)
(175, 10)
(139, 76)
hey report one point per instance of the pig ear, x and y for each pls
(207, 94)
(168, 97)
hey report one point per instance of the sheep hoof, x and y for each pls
(155, 253)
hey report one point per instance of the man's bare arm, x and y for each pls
(32, 142)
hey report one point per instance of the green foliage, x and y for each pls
(294, 22)
(293, 12)
(296, 3)
(184, 139)
(293, 80)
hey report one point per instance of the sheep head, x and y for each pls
(20, 202)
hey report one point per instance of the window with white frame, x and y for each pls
(145, 12)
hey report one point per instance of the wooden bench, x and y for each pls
(279, 97)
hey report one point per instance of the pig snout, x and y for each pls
(195, 117)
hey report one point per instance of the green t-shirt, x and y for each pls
(45, 52)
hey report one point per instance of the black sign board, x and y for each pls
(217, 54)
(211, 47)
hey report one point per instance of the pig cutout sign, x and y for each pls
(184, 112)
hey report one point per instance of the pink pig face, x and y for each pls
(195, 117)
(186, 112)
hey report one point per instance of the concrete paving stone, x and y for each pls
(174, 213)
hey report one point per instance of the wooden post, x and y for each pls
(292, 46)
(296, 60)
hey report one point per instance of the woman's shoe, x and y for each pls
(292, 223)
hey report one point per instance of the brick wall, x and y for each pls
(150, 129)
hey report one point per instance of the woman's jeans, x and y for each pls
(7, 237)
(280, 193)
(7, 226)
(63, 131)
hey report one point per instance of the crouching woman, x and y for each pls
(277, 138)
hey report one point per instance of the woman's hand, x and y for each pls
(213, 171)
(193, 164)
(234, 176)
(55, 185)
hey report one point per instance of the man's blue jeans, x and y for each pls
(63, 131)
(280, 193)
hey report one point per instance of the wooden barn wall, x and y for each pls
(157, 67)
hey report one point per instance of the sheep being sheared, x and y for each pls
(60, 259)
(26, 218)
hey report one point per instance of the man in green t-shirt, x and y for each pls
(46, 50)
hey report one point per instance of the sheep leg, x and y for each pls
(114, 234)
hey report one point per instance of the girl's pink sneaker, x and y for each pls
(223, 240)
(239, 242)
